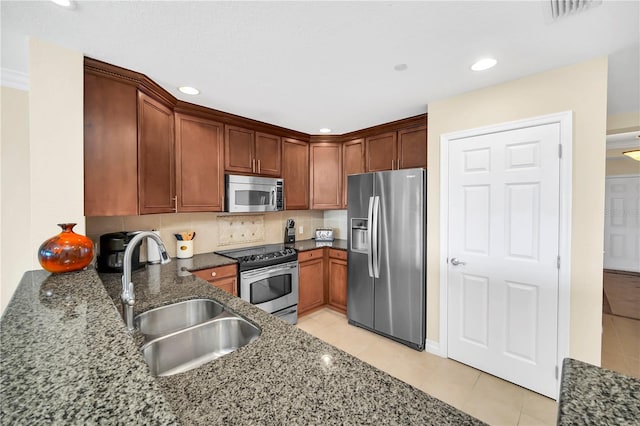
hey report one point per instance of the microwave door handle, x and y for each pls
(273, 198)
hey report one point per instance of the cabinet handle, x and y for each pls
(175, 204)
(391, 164)
(258, 166)
(253, 165)
(213, 274)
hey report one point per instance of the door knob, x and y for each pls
(456, 262)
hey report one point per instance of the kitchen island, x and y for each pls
(66, 357)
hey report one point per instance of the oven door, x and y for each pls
(272, 288)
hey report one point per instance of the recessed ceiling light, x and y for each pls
(484, 64)
(69, 4)
(400, 67)
(325, 130)
(187, 90)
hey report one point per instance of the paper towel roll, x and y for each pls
(153, 253)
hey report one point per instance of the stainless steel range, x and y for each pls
(269, 278)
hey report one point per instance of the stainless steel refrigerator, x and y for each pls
(386, 279)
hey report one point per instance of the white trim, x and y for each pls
(634, 175)
(565, 120)
(434, 348)
(15, 79)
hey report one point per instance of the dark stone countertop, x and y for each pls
(305, 245)
(68, 359)
(591, 395)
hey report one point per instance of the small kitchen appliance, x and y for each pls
(112, 247)
(290, 232)
(268, 277)
(324, 234)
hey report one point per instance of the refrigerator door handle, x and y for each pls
(369, 231)
(374, 243)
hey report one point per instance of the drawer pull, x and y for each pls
(213, 274)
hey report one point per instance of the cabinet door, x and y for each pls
(338, 284)
(311, 285)
(381, 152)
(155, 156)
(353, 163)
(223, 277)
(412, 148)
(326, 175)
(238, 149)
(110, 147)
(295, 172)
(268, 155)
(199, 164)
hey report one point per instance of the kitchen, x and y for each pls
(43, 202)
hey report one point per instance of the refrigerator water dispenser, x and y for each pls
(359, 235)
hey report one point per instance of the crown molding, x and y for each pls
(15, 79)
(623, 140)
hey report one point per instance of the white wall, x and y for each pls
(56, 123)
(580, 88)
(42, 164)
(14, 192)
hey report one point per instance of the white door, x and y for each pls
(622, 223)
(503, 254)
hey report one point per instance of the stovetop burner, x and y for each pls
(260, 256)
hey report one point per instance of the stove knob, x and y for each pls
(252, 257)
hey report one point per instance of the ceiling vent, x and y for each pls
(562, 8)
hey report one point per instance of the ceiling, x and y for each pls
(307, 65)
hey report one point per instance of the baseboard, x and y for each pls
(434, 348)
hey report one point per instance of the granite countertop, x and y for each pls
(67, 358)
(591, 395)
(305, 245)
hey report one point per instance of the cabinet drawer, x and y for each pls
(311, 254)
(216, 273)
(338, 254)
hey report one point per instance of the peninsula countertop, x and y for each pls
(66, 357)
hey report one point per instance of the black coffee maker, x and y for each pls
(112, 247)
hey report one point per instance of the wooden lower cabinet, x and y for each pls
(223, 277)
(323, 280)
(337, 276)
(311, 280)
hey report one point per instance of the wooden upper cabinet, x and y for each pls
(238, 149)
(295, 173)
(404, 149)
(326, 175)
(156, 162)
(110, 147)
(353, 163)
(199, 164)
(381, 152)
(268, 155)
(250, 152)
(412, 148)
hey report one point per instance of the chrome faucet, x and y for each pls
(127, 296)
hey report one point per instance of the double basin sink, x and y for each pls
(185, 335)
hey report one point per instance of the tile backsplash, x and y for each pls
(221, 231)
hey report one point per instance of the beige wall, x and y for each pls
(622, 123)
(617, 164)
(56, 122)
(580, 88)
(14, 192)
(621, 165)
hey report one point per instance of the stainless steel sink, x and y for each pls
(168, 319)
(192, 347)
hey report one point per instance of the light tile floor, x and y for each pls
(481, 395)
(621, 344)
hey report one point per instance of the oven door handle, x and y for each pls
(269, 272)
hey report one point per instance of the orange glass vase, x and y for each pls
(66, 252)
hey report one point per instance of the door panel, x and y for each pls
(400, 288)
(503, 229)
(622, 223)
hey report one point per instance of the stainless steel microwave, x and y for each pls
(253, 194)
